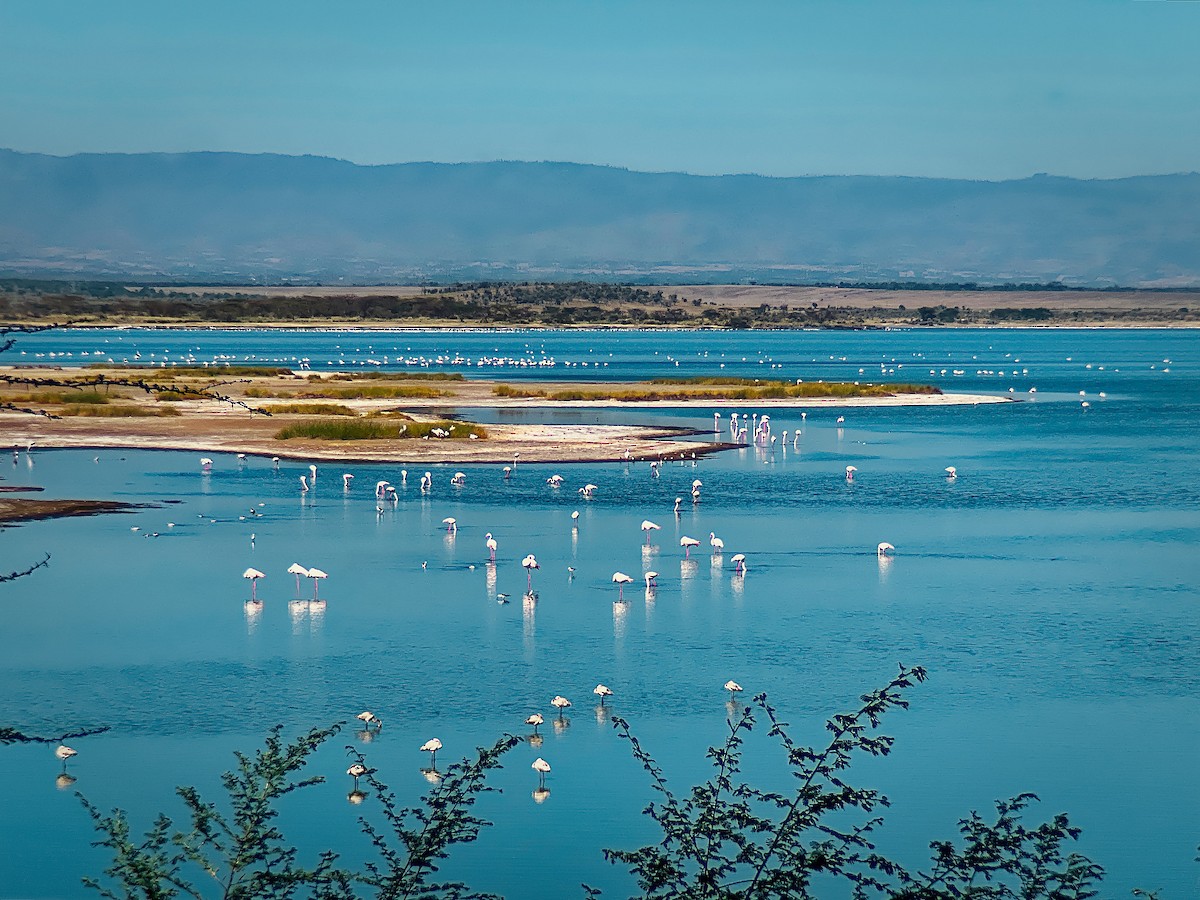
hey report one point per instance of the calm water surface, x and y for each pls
(1051, 591)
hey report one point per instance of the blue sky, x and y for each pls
(1101, 88)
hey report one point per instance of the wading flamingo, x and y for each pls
(647, 527)
(621, 579)
(253, 575)
(687, 543)
(490, 543)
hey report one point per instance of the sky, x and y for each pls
(983, 90)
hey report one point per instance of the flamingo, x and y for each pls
(687, 543)
(542, 767)
(529, 563)
(426, 482)
(535, 720)
(716, 422)
(951, 473)
(206, 464)
(734, 689)
(588, 490)
(490, 542)
(621, 579)
(718, 545)
(381, 488)
(651, 580)
(678, 504)
(459, 479)
(316, 575)
(507, 471)
(451, 524)
(253, 575)
(357, 771)
(647, 527)
(739, 563)
(63, 752)
(850, 470)
(313, 470)
(404, 476)
(303, 485)
(560, 703)
(884, 549)
(575, 519)
(346, 479)
(432, 746)
(603, 692)
(555, 481)
(369, 718)
(841, 420)
(297, 570)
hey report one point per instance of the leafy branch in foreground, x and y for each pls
(13, 576)
(242, 851)
(729, 839)
(13, 736)
(425, 833)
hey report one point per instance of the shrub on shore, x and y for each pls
(118, 412)
(311, 409)
(373, 429)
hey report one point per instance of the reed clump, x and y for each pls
(117, 411)
(311, 409)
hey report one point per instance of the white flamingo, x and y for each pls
(206, 464)
(346, 479)
(313, 471)
(621, 579)
(63, 752)
(459, 479)
(356, 771)
(490, 543)
(678, 504)
(432, 746)
(647, 527)
(603, 692)
(718, 545)
(739, 563)
(369, 718)
(535, 720)
(298, 570)
(651, 580)
(687, 543)
(529, 563)
(426, 482)
(561, 704)
(734, 689)
(951, 473)
(850, 470)
(451, 524)
(542, 767)
(575, 519)
(884, 549)
(303, 485)
(316, 575)
(253, 575)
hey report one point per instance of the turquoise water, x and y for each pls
(1051, 591)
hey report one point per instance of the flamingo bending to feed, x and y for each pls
(369, 718)
(850, 470)
(206, 464)
(621, 579)
(459, 479)
(734, 689)
(651, 580)
(602, 691)
(739, 563)
(451, 524)
(316, 575)
(535, 720)
(560, 703)
(718, 545)
(432, 746)
(555, 480)
(253, 575)
(951, 473)
(542, 767)
(647, 527)
(490, 543)
(529, 563)
(346, 479)
(687, 543)
(588, 490)
(884, 549)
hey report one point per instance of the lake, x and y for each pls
(1052, 591)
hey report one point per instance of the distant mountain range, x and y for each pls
(230, 217)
